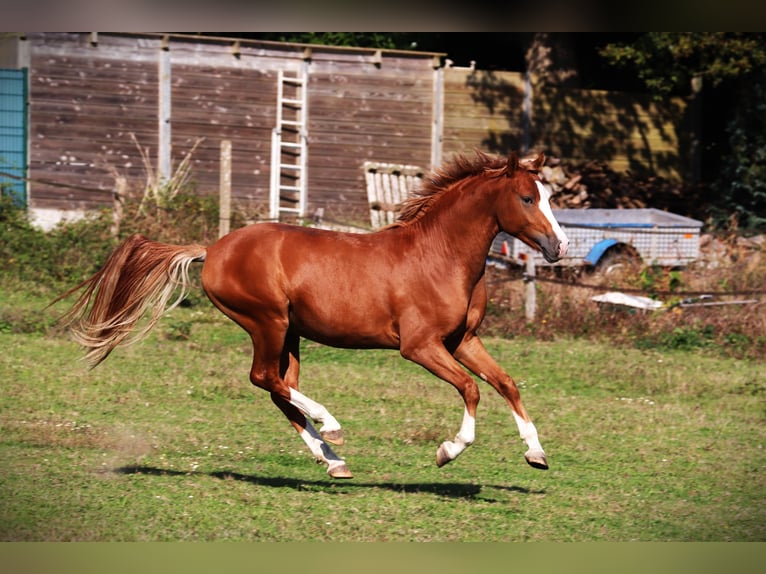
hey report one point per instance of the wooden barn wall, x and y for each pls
(360, 111)
(82, 109)
(627, 131)
(482, 110)
(87, 98)
(486, 110)
(217, 95)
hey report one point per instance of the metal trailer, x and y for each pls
(598, 236)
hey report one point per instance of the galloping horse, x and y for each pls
(416, 286)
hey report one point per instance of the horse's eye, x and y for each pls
(527, 200)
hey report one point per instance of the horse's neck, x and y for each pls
(461, 224)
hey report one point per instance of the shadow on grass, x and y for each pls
(454, 490)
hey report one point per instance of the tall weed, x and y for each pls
(565, 309)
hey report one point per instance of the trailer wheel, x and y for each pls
(617, 263)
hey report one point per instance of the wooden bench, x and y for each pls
(388, 185)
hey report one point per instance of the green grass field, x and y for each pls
(168, 441)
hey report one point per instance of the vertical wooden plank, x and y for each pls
(164, 141)
(369, 180)
(437, 129)
(224, 217)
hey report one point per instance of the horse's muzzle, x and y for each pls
(553, 249)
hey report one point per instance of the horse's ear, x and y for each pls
(539, 161)
(513, 163)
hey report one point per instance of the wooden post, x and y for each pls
(224, 208)
(437, 127)
(530, 297)
(164, 143)
(118, 203)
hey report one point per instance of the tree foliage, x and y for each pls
(733, 69)
(666, 62)
(742, 181)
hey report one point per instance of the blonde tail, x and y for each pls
(140, 276)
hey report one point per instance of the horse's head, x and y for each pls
(524, 209)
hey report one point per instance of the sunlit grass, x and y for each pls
(167, 440)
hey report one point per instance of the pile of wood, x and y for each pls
(594, 184)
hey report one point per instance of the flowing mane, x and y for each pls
(441, 179)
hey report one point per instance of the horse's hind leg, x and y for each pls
(475, 357)
(289, 368)
(336, 466)
(275, 355)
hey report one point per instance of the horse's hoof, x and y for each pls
(536, 459)
(442, 457)
(340, 471)
(333, 437)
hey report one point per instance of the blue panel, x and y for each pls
(13, 133)
(598, 250)
(13, 103)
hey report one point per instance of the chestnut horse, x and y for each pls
(416, 286)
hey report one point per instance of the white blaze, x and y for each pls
(545, 207)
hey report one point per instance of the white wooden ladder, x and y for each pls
(289, 147)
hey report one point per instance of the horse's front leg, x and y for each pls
(450, 449)
(475, 357)
(435, 357)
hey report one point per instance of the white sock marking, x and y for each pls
(463, 439)
(314, 411)
(318, 447)
(467, 432)
(528, 432)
